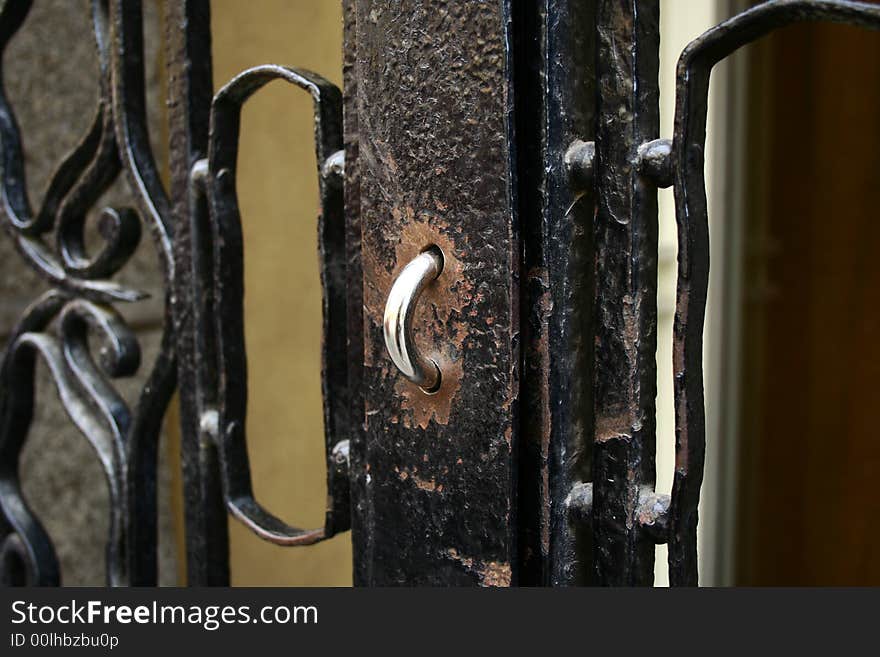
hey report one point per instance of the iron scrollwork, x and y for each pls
(56, 327)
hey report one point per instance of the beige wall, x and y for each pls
(278, 195)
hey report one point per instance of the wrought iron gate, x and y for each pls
(488, 249)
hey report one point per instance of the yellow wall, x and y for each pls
(278, 194)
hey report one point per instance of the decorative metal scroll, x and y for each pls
(56, 327)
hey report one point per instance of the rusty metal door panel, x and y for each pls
(436, 169)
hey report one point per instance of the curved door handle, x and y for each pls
(397, 323)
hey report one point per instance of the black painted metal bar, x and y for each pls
(691, 209)
(190, 90)
(354, 274)
(624, 383)
(555, 66)
(223, 422)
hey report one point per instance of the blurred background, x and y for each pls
(791, 349)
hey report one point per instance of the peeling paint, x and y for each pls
(429, 485)
(492, 573)
(617, 426)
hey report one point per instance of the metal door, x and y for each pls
(488, 245)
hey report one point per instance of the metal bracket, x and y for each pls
(219, 321)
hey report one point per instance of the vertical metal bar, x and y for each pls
(129, 121)
(355, 285)
(556, 104)
(188, 42)
(626, 290)
(436, 167)
(570, 115)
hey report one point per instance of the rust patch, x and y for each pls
(617, 426)
(429, 485)
(438, 328)
(423, 407)
(682, 456)
(492, 573)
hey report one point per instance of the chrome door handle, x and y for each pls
(397, 323)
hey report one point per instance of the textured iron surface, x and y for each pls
(355, 281)
(190, 90)
(624, 377)
(627, 515)
(436, 169)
